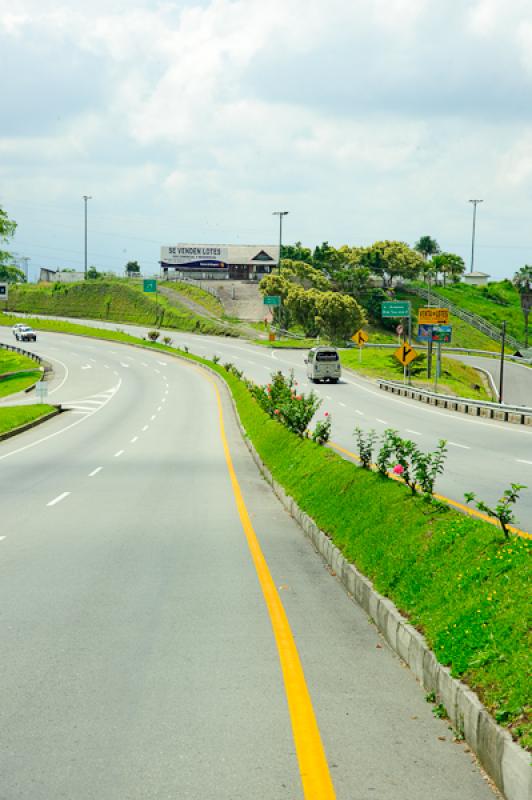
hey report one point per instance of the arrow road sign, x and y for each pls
(405, 354)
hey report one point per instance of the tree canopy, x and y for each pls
(8, 272)
(427, 246)
(132, 267)
(522, 280)
(449, 264)
(390, 259)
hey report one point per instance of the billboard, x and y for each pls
(209, 256)
(433, 316)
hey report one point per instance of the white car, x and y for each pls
(16, 327)
(25, 334)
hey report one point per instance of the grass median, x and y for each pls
(455, 578)
(12, 417)
(17, 372)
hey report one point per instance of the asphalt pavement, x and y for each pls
(138, 659)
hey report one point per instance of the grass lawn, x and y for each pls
(456, 378)
(27, 371)
(14, 416)
(196, 294)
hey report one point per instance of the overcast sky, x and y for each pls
(191, 121)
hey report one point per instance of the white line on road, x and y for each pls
(462, 446)
(134, 439)
(523, 461)
(107, 366)
(145, 428)
(143, 363)
(328, 396)
(416, 433)
(158, 371)
(58, 499)
(159, 408)
(163, 363)
(123, 364)
(360, 413)
(119, 453)
(116, 373)
(2, 538)
(86, 366)
(165, 378)
(152, 417)
(382, 421)
(342, 404)
(163, 400)
(166, 391)
(95, 472)
(93, 359)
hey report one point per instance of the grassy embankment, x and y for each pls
(452, 575)
(25, 371)
(199, 296)
(456, 378)
(495, 302)
(116, 301)
(12, 417)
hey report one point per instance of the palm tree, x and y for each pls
(427, 247)
(522, 281)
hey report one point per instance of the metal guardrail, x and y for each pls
(477, 322)
(464, 350)
(21, 352)
(521, 415)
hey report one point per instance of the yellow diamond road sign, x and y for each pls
(360, 337)
(405, 354)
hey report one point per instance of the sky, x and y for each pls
(192, 121)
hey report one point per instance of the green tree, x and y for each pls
(296, 252)
(132, 268)
(522, 281)
(450, 265)
(328, 259)
(338, 316)
(427, 247)
(93, 274)
(390, 259)
(305, 274)
(11, 274)
(303, 307)
(7, 231)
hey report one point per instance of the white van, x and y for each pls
(323, 364)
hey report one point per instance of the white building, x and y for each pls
(225, 261)
(475, 278)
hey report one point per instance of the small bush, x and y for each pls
(153, 335)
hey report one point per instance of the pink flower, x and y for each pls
(299, 397)
(398, 469)
(326, 414)
(276, 411)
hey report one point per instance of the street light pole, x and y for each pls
(280, 214)
(475, 203)
(85, 198)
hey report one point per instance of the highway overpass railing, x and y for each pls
(519, 415)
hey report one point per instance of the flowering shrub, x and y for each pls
(365, 444)
(322, 431)
(281, 401)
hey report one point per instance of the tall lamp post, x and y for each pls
(280, 214)
(475, 203)
(85, 198)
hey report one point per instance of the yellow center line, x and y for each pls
(313, 767)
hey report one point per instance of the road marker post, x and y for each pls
(360, 338)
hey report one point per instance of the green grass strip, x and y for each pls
(12, 417)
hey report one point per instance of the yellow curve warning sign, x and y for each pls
(360, 338)
(405, 354)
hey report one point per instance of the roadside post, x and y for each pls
(4, 293)
(360, 338)
(150, 286)
(439, 334)
(501, 371)
(41, 389)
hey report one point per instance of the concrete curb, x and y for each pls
(32, 424)
(506, 762)
(463, 405)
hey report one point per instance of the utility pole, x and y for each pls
(85, 198)
(280, 214)
(475, 203)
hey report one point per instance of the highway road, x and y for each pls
(139, 654)
(484, 456)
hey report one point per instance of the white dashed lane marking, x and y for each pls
(58, 499)
(523, 461)
(95, 472)
(145, 428)
(382, 421)
(119, 453)
(416, 433)
(461, 446)
(134, 439)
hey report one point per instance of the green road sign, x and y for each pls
(272, 300)
(150, 286)
(396, 308)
